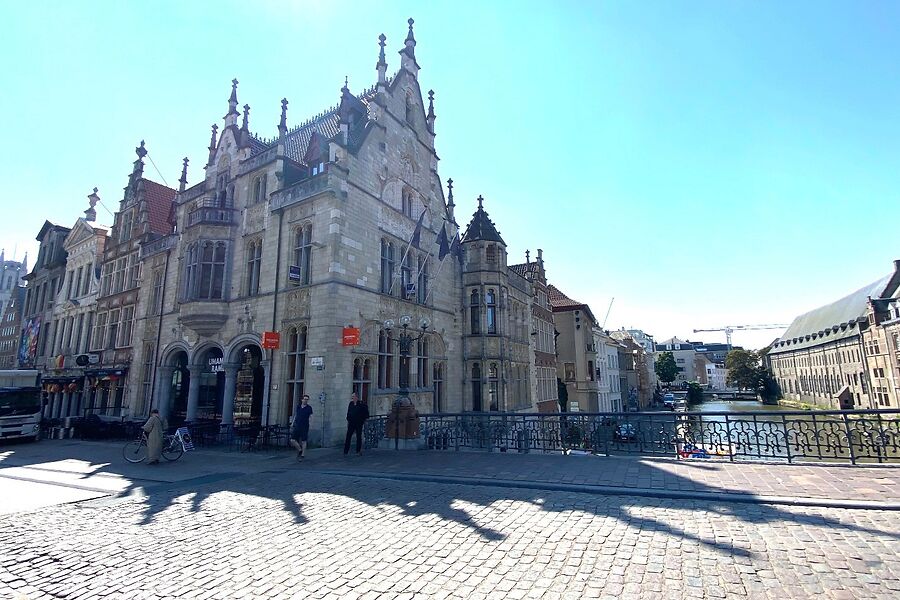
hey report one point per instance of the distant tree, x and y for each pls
(694, 393)
(562, 395)
(665, 367)
(744, 369)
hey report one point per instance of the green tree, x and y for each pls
(744, 369)
(665, 367)
(694, 393)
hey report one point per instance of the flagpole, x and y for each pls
(406, 252)
(441, 266)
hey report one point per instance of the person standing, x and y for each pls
(300, 427)
(357, 413)
(154, 430)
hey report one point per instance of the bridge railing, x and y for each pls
(852, 436)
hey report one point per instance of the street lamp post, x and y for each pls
(404, 341)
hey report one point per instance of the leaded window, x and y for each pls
(490, 300)
(302, 254)
(205, 275)
(385, 359)
(254, 262)
(387, 266)
(362, 378)
(494, 387)
(422, 363)
(295, 378)
(475, 312)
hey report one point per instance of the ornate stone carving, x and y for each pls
(297, 304)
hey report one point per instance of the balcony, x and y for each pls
(210, 211)
(320, 184)
(156, 246)
(204, 317)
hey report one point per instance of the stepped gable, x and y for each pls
(159, 200)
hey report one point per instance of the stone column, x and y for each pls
(193, 392)
(162, 391)
(66, 401)
(267, 371)
(57, 405)
(231, 371)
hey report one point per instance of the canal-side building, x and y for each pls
(881, 341)
(684, 354)
(73, 315)
(823, 359)
(543, 368)
(576, 351)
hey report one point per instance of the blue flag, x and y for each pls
(417, 234)
(443, 244)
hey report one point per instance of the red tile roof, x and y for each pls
(159, 202)
(560, 302)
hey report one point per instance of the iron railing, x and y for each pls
(851, 435)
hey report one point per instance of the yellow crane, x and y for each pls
(729, 329)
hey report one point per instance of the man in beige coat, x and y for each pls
(154, 430)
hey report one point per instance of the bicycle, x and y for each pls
(173, 447)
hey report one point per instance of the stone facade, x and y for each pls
(12, 274)
(839, 355)
(11, 329)
(73, 316)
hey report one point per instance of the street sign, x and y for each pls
(350, 336)
(271, 340)
(294, 273)
(317, 361)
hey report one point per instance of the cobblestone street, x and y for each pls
(288, 531)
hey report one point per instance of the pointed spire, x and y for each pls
(430, 117)
(232, 115)
(245, 126)
(410, 42)
(183, 181)
(381, 65)
(408, 54)
(346, 87)
(480, 202)
(282, 124)
(450, 204)
(212, 144)
(90, 214)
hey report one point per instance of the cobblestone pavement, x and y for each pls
(288, 531)
(838, 482)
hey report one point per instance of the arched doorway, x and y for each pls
(212, 385)
(251, 381)
(178, 388)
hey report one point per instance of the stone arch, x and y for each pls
(201, 350)
(236, 346)
(167, 357)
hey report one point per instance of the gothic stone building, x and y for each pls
(337, 225)
(832, 358)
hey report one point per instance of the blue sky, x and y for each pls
(705, 163)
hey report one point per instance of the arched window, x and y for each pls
(387, 266)
(254, 196)
(422, 364)
(295, 378)
(254, 262)
(259, 189)
(407, 202)
(493, 387)
(491, 312)
(476, 388)
(300, 271)
(362, 378)
(385, 359)
(475, 312)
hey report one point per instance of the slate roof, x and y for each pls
(831, 322)
(522, 269)
(159, 200)
(326, 124)
(482, 228)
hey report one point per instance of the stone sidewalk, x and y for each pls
(812, 484)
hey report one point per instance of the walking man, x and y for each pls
(154, 430)
(300, 427)
(357, 413)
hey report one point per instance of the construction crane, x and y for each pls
(729, 329)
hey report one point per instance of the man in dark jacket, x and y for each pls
(357, 413)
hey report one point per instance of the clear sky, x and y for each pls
(705, 163)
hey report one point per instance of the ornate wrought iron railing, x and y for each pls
(852, 435)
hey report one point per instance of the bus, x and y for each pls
(20, 404)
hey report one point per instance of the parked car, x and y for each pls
(669, 401)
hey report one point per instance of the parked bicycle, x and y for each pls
(173, 446)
